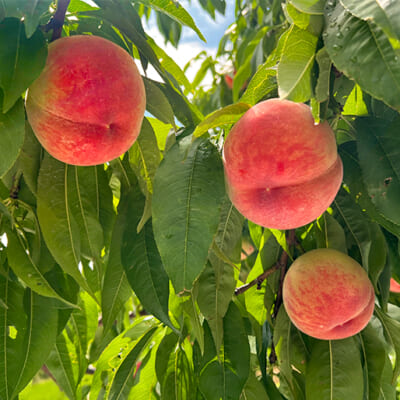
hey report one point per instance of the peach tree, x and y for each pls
(139, 278)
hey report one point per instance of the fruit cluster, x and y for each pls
(282, 169)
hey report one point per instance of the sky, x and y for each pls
(190, 44)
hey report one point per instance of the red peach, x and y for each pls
(87, 106)
(282, 170)
(328, 295)
(394, 286)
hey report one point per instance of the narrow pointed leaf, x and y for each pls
(188, 192)
(12, 129)
(21, 59)
(361, 50)
(295, 67)
(335, 371)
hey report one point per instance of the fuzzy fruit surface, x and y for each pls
(328, 295)
(282, 170)
(394, 286)
(87, 106)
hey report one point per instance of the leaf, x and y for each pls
(113, 356)
(141, 259)
(12, 130)
(188, 193)
(29, 158)
(262, 83)
(215, 288)
(254, 390)
(390, 329)
(28, 11)
(28, 328)
(144, 157)
(63, 364)
(380, 163)
(334, 371)
(324, 66)
(297, 60)
(374, 355)
(384, 14)
(21, 60)
(333, 233)
(363, 52)
(225, 116)
(356, 223)
(226, 380)
(309, 6)
(292, 351)
(58, 222)
(354, 181)
(145, 375)
(157, 103)
(229, 232)
(175, 11)
(123, 380)
(23, 265)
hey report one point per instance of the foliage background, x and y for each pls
(138, 279)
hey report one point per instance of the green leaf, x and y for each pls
(354, 180)
(144, 157)
(28, 328)
(141, 259)
(229, 232)
(391, 328)
(123, 380)
(334, 371)
(225, 116)
(21, 60)
(332, 232)
(24, 266)
(291, 350)
(262, 83)
(175, 11)
(309, 6)
(145, 376)
(29, 158)
(323, 83)
(215, 288)
(58, 217)
(113, 356)
(295, 67)
(188, 193)
(363, 52)
(254, 390)
(63, 363)
(384, 14)
(12, 130)
(380, 163)
(157, 103)
(374, 354)
(28, 11)
(356, 222)
(226, 380)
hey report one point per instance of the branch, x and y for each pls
(57, 20)
(257, 281)
(284, 260)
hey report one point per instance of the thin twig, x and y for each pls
(284, 260)
(257, 281)
(57, 21)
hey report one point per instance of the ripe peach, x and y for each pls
(394, 286)
(87, 106)
(282, 170)
(328, 295)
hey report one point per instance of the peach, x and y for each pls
(87, 106)
(394, 286)
(282, 170)
(328, 295)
